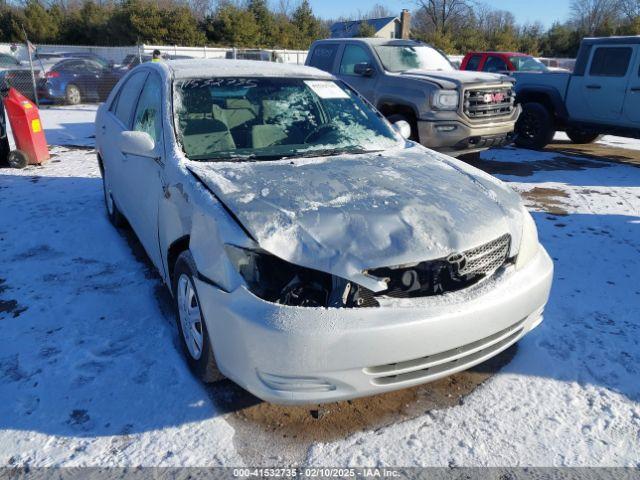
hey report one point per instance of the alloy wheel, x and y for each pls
(190, 317)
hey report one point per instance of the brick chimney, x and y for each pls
(405, 24)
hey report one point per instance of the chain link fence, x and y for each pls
(72, 74)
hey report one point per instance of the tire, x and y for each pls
(196, 343)
(582, 136)
(470, 157)
(17, 159)
(535, 127)
(411, 121)
(113, 213)
(72, 95)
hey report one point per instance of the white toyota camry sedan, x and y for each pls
(313, 253)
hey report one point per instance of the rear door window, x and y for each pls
(474, 62)
(128, 97)
(73, 66)
(323, 57)
(610, 61)
(494, 64)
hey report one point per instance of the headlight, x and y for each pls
(278, 281)
(529, 243)
(445, 99)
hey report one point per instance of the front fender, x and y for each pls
(543, 94)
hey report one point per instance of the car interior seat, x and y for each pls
(203, 134)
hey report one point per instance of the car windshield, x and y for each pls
(528, 64)
(398, 58)
(271, 118)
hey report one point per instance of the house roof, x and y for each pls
(352, 27)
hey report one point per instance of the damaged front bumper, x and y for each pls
(298, 355)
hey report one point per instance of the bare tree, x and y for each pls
(592, 15)
(441, 13)
(630, 8)
(283, 7)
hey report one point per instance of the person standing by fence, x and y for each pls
(157, 56)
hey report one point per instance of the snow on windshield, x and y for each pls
(271, 118)
(399, 58)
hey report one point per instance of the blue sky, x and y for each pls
(546, 11)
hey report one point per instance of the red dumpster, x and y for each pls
(28, 134)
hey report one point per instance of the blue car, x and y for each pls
(78, 80)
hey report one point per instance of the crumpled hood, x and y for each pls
(457, 78)
(345, 214)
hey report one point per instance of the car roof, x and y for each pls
(372, 41)
(199, 68)
(611, 40)
(509, 54)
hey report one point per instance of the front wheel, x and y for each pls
(192, 329)
(535, 127)
(582, 136)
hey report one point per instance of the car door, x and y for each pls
(143, 180)
(631, 109)
(117, 119)
(355, 57)
(84, 77)
(599, 95)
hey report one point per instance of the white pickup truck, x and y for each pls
(601, 96)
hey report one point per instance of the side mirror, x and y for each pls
(137, 143)
(403, 128)
(363, 69)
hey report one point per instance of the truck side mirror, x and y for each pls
(363, 69)
(137, 143)
(403, 128)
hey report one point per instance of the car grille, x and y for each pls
(487, 258)
(440, 364)
(488, 102)
(444, 275)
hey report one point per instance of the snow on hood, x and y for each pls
(345, 214)
(457, 78)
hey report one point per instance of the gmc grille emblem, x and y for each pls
(493, 97)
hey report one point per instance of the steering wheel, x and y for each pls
(317, 132)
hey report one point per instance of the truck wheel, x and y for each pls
(194, 336)
(535, 127)
(411, 121)
(17, 159)
(72, 95)
(582, 136)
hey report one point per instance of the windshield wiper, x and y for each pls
(324, 152)
(330, 152)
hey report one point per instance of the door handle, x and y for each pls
(594, 87)
(635, 89)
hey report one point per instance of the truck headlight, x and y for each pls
(445, 99)
(529, 243)
(278, 281)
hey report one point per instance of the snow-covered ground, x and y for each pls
(91, 372)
